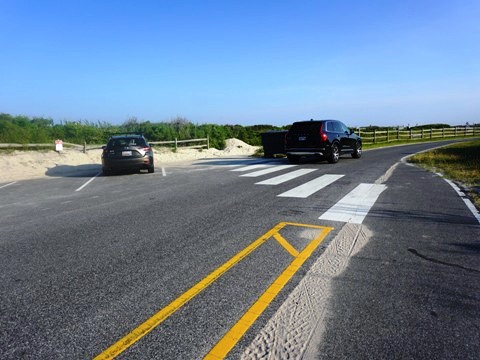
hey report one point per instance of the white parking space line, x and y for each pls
(4, 186)
(268, 171)
(286, 177)
(251, 167)
(88, 182)
(354, 207)
(307, 189)
(164, 173)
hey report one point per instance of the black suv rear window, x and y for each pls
(312, 127)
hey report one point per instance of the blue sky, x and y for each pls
(242, 62)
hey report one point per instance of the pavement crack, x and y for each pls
(416, 253)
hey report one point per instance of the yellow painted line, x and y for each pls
(143, 329)
(226, 344)
(286, 245)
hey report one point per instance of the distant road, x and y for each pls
(86, 261)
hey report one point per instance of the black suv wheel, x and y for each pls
(357, 151)
(334, 154)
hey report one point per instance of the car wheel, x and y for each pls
(293, 159)
(151, 169)
(334, 154)
(357, 151)
(106, 172)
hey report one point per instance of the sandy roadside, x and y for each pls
(21, 165)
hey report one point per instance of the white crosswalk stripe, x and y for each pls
(280, 179)
(311, 187)
(268, 170)
(251, 167)
(354, 206)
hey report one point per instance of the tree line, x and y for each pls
(38, 130)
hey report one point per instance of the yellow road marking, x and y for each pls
(291, 250)
(223, 347)
(147, 326)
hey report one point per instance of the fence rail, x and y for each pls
(204, 142)
(83, 147)
(13, 146)
(391, 135)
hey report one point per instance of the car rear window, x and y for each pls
(305, 128)
(126, 142)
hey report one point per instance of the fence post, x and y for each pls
(398, 134)
(443, 133)
(422, 134)
(388, 136)
(431, 133)
(85, 147)
(358, 131)
(176, 144)
(411, 134)
(208, 143)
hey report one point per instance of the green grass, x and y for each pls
(459, 162)
(405, 142)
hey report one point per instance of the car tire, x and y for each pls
(151, 169)
(106, 172)
(334, 154)
(293, 159)
(357, 151)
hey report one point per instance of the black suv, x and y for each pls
(126, 152)
(326, 139)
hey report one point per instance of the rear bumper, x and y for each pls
(324, 151)
(128, 163)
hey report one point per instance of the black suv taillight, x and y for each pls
(323, 136)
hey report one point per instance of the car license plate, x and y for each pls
(302, 138)
(126, 153)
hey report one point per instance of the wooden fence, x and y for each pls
(203, 143)
(392, 135)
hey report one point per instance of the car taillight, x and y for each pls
(146, 149)
(323, 136)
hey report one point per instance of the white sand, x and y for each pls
(21, 165)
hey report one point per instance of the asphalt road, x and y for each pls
(87, 260)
